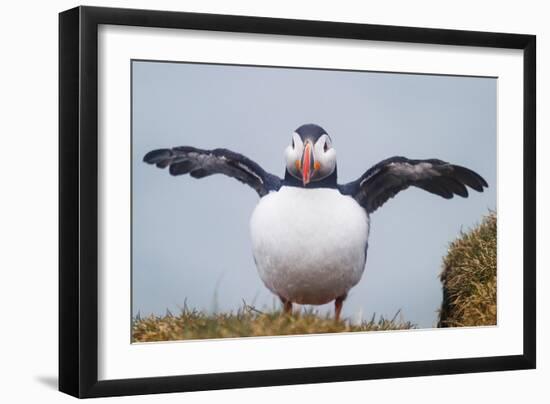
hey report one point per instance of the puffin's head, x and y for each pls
(310, 156)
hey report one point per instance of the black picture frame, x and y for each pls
(78, 200)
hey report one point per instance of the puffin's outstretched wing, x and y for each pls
(387, 178)
(202, 163)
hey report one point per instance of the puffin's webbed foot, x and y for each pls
(338, 304)
(287, 305)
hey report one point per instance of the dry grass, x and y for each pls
(248, 322)
(469, 278)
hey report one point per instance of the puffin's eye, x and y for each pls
(293, 146)
(325, 147)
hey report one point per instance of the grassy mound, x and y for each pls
(469, 278)
(248, 322)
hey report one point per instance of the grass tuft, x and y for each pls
(469, 278)
(249, 322)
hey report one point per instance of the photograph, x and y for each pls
(274, 200)
(249, 201)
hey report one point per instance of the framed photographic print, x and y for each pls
(250, 201)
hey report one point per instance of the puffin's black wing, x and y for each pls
(384, 180)
(202, 163)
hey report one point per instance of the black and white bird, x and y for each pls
(310, 234)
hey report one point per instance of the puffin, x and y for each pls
(309, 233)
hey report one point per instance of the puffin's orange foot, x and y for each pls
(287, 306)
(338, 304)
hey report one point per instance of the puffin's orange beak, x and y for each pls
(307, 159)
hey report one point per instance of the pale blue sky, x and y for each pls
(190, 237)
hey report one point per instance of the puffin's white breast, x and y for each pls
(309, 244)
